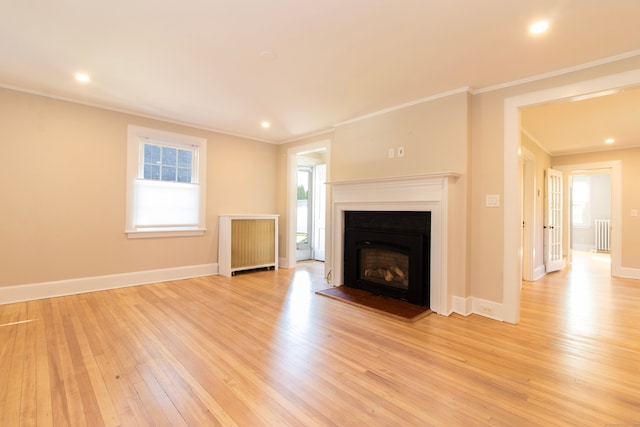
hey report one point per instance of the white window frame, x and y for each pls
(137, 136)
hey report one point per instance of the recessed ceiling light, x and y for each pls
(539, 27)
(265, 124)
(83, 77)
(609, 141)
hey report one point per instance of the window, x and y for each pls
(580, 201)
(166, 177)
(168, 163)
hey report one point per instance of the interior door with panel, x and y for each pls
(553, 259)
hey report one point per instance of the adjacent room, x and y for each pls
(360, 213)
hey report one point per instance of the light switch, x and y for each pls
(492, 200)
(392, 153)
(634, 212)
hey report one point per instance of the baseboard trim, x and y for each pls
(461, 305)
(491, 309)
(539, 272)
(28, 292)
(628, 273)
(479, 306)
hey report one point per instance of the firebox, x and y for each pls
(387, 253)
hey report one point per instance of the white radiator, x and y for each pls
(603, 235)
(247, 242)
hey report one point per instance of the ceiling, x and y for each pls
(227, 65)
(583, 125)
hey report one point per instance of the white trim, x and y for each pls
(629, 273)
(307, 136)
(383, 111)
(511, 220)
(529, 215)
(18, 293)
(486, 308)
(174, 233)
(536, 142)
(136, 137)
(461, 305)
(539, 273)
(405, 105)
(560, 72)
(133, 113)
(481, 307)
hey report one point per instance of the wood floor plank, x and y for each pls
(68, 406)
(14, 368)
(44, 412)
(262, 349)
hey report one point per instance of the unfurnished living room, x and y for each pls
(320, 213)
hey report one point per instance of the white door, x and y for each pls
(304, 214)
(319, 211)
(553, 222)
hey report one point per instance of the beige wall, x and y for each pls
(62, 195)
(630, 191)
(434, 136)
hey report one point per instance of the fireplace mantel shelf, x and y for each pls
(452, 176)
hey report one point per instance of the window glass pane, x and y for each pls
(168, 173)
(168, 157)
(151, 154)
(184, 175)
(151, 172)
(580, 191)
(184, 158)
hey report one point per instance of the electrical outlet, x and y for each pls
(400, 151)
(486, 309)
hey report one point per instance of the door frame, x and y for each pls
(512, 235)
(292, 197)
(615, 166)
(528, 214)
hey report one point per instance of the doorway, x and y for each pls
(311, 207)
(590, 212)
(307, 175)
(512, 224)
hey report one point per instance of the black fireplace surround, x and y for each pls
(388, 253)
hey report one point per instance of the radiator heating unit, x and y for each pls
(247, 242)
(603, 235)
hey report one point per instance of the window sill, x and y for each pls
(165, 233)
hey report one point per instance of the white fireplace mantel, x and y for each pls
(428, 192)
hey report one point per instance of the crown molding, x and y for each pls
(556, 73)
(405, 105)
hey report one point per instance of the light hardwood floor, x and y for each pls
(263, 349)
